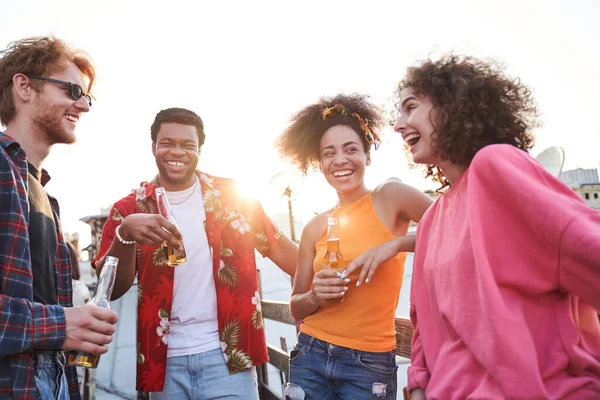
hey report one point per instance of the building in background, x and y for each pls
(576, 177)
(585, 183)
(96, 223)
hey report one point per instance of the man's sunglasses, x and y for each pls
(75, 90)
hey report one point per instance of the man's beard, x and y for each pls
(50, 126)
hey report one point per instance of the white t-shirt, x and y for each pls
(194, 326)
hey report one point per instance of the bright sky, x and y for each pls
(245, 67)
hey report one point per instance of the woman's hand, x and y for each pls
(371, 259)
(417, 394)
(327, 286)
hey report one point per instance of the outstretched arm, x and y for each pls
(395, 204)
(284, 253)
(373, 258)
(148, 229)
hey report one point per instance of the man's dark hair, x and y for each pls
(178, 116)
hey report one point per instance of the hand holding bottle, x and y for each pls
(175, 255)
(330, 278)
(149, 229)
(89, 328)
(328, 286)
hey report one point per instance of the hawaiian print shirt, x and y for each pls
(24, 324)
(235, 227)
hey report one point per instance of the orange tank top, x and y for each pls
(365, 319)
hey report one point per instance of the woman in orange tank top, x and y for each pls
(346, 348)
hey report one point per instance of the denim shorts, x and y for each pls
(323, 371)
(50, 376)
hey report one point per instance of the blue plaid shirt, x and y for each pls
(25, 325)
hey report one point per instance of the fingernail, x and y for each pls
(367, 281)
(347, 280)
(358, 283)
(343, 274)
(339, 274)
(345, 288)
(342, 293)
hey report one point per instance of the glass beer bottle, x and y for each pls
(333, 257)
(100, 299)
(174, 256)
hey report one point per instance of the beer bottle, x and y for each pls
(174, 256)
(333, 257)
(100, 299)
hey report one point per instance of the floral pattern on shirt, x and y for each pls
(235, 227)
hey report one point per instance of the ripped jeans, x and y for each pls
(323, 371)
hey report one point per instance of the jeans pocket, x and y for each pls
(298, 350)
(379, 363)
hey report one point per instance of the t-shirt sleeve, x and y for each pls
(418, 373)
(515, 201)
(579, 262)
(263, 228)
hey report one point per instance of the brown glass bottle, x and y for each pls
(106, 283)
(333, 256)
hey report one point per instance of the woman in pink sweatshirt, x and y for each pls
(506, 280)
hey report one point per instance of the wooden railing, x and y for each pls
(280, 311)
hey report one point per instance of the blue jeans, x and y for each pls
(50, 376)
(205, 376)
(323, 371)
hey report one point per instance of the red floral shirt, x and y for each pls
(235, 227)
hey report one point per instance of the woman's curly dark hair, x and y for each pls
(475, 105)
(300, 142)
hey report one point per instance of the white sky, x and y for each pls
(245, 67)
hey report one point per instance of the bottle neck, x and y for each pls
(332, 233)
(106, 282)
(162, 202)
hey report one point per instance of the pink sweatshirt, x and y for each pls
(505, 285)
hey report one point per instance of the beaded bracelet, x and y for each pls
(121, 239)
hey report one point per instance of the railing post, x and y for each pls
(262, 374)
(89, 384)
(283, 375)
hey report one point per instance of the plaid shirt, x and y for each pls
(25, 325)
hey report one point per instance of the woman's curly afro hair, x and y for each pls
(300, 142)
